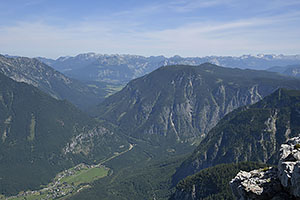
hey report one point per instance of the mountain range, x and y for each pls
(41, 136)
(289, 70)
(182, 103)
(120, 69)
(56, 84)
(224, 112)
(211, 182)
(164, 98)
(250, 133)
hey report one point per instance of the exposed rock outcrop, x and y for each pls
(278, 183)
(289, 166)
(253, 133)
(183, 103)
(211, 183)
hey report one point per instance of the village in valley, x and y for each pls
(70, 181)
(66, 183)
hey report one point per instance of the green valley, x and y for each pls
(70, 181)
(171, 101)
(139, 146)
(66, 183)
(43, 136)
(149, 100)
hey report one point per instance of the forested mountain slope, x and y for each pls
(182, 103)
(40, 75)
(41, 136)
(251, 133)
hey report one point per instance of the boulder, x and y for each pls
(278, 183)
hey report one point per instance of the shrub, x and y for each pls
(297, 146)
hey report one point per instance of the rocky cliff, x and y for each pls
(182, 103)
(252, 133)
(211, 183)
(279, 183)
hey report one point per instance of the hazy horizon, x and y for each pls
(259, 55)
(189, 28)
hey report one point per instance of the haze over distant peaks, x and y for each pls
(42, 76)
(289, 70)
(121, 69)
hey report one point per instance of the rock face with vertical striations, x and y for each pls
(289, 166)
(182, 103)
(251, 133)
(278, 183)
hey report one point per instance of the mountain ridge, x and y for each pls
(289, 70)
(250, 133)
(116, 68)
(40, 75)
(36, 131)
(182, 103)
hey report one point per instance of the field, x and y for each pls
(86, 176)
(66, 183)
(69, 182)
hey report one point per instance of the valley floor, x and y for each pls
(70, 181)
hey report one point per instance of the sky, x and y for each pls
(189, 28)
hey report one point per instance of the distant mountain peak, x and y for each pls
(39, 74)
(121, 68)
(183, 102)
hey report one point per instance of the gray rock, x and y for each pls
(257, 184)
(272, 183)
(288, 166)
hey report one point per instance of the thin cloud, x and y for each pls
(127, 32)
(33, 2)
(189, 5)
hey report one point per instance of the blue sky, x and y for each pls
(53, 28)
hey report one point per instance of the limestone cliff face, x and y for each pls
(252, 133)
(184, 102)
(262, 183)
(183, 195)
(272, 183)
